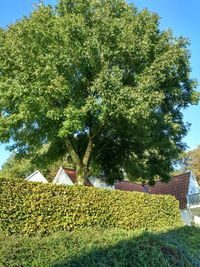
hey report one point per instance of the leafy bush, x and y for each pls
(97, 247)
(28, 208)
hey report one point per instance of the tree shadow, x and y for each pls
(177, 247)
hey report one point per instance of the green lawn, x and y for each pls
(97, 247)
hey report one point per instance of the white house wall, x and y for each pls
(62, 178)
(100, 184)
(186, 216)
(193, 185)
(197, 220)
(36, 177)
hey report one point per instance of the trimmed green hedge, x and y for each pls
(27, 208)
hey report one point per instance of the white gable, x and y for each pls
(62, 178)
(36, 177)
(193, 185)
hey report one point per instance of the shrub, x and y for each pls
(28, 208)
(97, 247)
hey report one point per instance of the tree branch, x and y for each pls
(72, 152)
(99, 130)
(88, 151)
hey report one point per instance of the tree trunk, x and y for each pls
(81, 165)
(88, 152)
(81, 173)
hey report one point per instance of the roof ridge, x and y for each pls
(145, 184)
(174, 177)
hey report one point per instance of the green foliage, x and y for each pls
(27, 208)
(99, 80)
(15, 168)
(189, 236)
(20, 167)
(190, 160)
(102, 248)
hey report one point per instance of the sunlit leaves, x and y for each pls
(100, 68)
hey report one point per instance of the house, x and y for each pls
(183, 187)
(67, 176)
(36, 177)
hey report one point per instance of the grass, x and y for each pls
(105, 248)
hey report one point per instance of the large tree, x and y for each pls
(98, 80)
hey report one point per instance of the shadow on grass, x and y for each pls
(103, 248)
(171, 248)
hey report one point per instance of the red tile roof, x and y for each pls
(72, 175)
(129, 186)
(178, 187)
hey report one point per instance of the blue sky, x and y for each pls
(181, 16)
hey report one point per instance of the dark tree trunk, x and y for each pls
(81, 164)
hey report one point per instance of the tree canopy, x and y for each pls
(98, 80)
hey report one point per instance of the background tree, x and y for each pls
(15, 168)
(97, 80)
(19, 166)
(190, 160)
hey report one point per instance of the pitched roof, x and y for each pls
(178, 187)
(36, 177)
(129, 186)
(72, 175)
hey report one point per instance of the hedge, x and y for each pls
(102, 248)
(28, 208)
